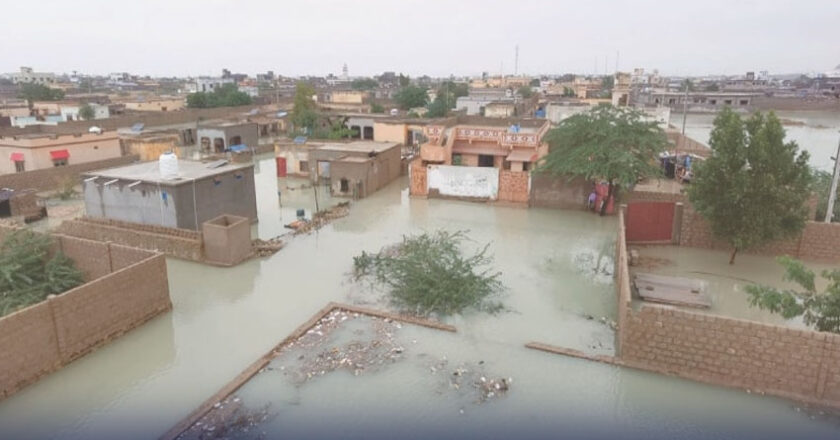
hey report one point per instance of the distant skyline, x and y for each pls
(437, 38)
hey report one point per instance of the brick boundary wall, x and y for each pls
(178, 243)
(418, 180)
(52, 178)
(44, 337)
(559, 192)
(799, 364)
(514, 186)
(264, 360)
(818, 241)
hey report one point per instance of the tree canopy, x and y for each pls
(429, 274)
(445, 98)
(39, 92)
(753, 188)
(411, 96)
(404, 80)
(525, 91)
(304, 114)
(87, 112)
(818, 310)
(608, 143)
(364, 84)
(228, 95)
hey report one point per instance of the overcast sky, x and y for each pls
(461, 37)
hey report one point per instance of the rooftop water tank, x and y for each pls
(168, 165)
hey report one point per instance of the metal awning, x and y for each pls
(522, 156)
(59, 154)
(17, 157)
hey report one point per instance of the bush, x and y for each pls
(428, 274)
(27, 272)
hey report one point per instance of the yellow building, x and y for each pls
(37, 151)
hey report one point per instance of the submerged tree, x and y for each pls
(753, 188)
(818, 310)
(611, 143)
(429, 274)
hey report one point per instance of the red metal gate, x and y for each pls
(650, 221)
(281, 167)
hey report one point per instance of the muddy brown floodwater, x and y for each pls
(557, 266)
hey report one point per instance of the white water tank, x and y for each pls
(168, 165)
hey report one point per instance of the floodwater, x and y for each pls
(726, 282)
(819, 135)
(557, 266)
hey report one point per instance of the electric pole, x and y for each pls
(832, 195)
(685, 105)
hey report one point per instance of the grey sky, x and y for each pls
(466, 37)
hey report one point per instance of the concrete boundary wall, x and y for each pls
(52, 178)
(44, 337)
(260, 363)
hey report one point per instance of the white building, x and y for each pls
(211, 84)
(28, 76)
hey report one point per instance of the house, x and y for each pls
(198, 192)
(218, 136)
(478, 158)
(28, 76)
(355, 169)
(155, 104)
(35, 150)
(406, 131)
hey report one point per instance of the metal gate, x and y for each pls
(650, 221)
(281, 167)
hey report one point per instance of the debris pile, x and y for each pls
(265, 248)
(229, 418)
(472, 377)
(376, 351)
(320, 219)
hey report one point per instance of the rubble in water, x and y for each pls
(264, 248)
(230, 418)
(471, 377)
(367, 354)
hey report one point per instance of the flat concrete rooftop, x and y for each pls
(149, 172)
(360, 147)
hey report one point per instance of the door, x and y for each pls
(281, 166)
(650, 221)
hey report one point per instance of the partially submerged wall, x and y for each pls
(559, 192)
(48, 335)
(514, 186)
(464, 181)
(798, 364)
(180, 243)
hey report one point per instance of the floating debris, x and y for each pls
(465, 377)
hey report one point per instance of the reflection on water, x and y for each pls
(554, 263)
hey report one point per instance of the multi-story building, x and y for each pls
(29, 76)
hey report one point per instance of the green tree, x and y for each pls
(753, 188)
(364, 84)
(87, 112)
(608, 82)
(535, 82)
(429, 274)
(377, 108)
(568, 92)
(822, 188)
(304, 114)
(615, 144)
(818, 310)
(404, 80)
(228, 95)
(445, 98)
(525, 92)
(39, 92)
(411, 96)
(713, 87)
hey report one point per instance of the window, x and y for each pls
(744, 102)
(526, 166)
(713, 101)
(485, 160)
(304, 166)
(457, 159)
(59, 162)
(19, 166)
(345, 185)
(672, 101)
(728, 102)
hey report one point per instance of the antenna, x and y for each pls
(516, 62)
(617, 53)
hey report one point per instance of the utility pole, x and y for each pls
(516, 62)
(832, 195)
(685, 105)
